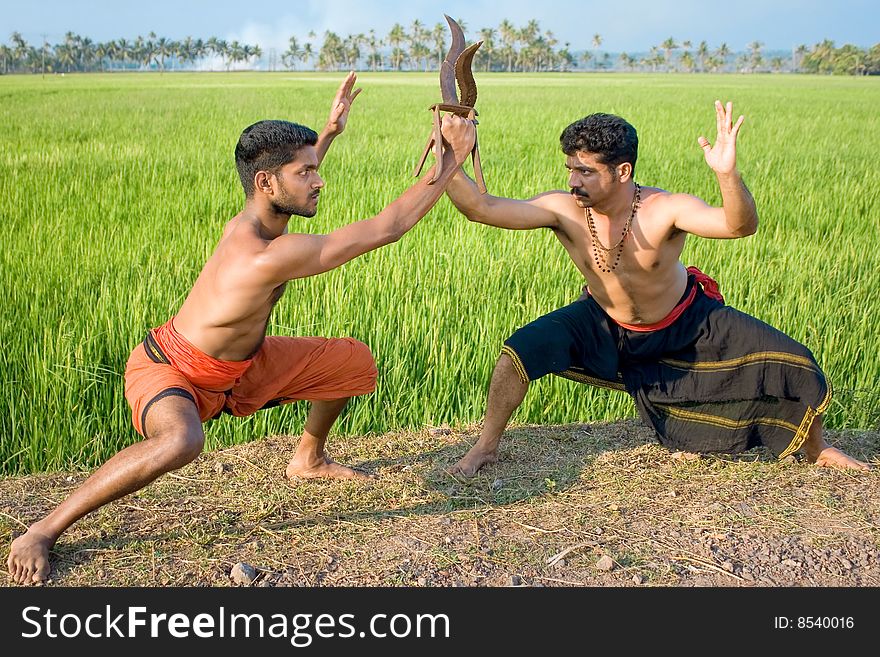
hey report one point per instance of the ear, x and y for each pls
(624, 172)
(264, 182)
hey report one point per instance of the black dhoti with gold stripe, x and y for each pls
(715, 380)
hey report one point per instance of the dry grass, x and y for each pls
(560, 498)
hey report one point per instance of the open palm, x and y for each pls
(722, 156)
(342, 104)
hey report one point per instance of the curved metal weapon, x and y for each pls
(456, 67)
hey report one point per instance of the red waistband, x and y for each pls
(710, 289)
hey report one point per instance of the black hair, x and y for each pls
(610, 137)
(268, 145)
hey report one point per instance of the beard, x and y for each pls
(286, 204)
(288, 207)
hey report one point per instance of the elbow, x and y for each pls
(750, 228)
(393, 232)
(389, 227)
(473, 207)
(478, 214)
(743, 226)
(394, 235)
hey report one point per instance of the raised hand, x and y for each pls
(342, 105)
(722, 156)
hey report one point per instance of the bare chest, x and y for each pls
(629, 249)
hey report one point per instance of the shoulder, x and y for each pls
(653, 196)
(659, 202)
(555, 199)
(242, 249)
(244, 236)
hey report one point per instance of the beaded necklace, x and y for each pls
(601, 254)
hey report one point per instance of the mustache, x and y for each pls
(575, 191)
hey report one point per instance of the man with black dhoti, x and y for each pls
(706, 377)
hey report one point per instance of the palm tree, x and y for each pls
(332, 52)
(755, 59)
(851, 60)
(550, 42)
(528, 35)
(253, 53)
(487, 35)
(438, 37)
(352, 46)
(421, 53)
(101, 52)
(686, 46)
(164, 49)
(668, 46)
(714, 63)
(20, 48)
(396, 36)
(5, 57)
(654, 59)
(87, 53)
(308, 53)
(597, 41)
(565, 58)
(702, 54)
(627, 61)
(507, 32)
(586, 56)
(687, 62)
(234, 54)
(721, 54)
(66, 55)
(417, 48)
(212, 45)
(293, 53)
(123, 50)
(375, 59)
(799, 54)
(872, 60)
(188, 50)
(145, 49)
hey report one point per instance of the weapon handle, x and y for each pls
(478, 168)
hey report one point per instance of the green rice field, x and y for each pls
(115, 189)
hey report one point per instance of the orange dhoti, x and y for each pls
(283, 370)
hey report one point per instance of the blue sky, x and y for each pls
(625, 25)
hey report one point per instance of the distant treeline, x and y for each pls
(419, 48)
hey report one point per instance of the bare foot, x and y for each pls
(472, 462)
(28, 561)
(329, 469)
(831, 457)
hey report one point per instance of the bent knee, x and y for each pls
(360, 352)
(361, 360)
(511, 366)
(181, 447)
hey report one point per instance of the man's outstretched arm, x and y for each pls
(297, 256)
(738, 216)
(338, 118)
(536, 212)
